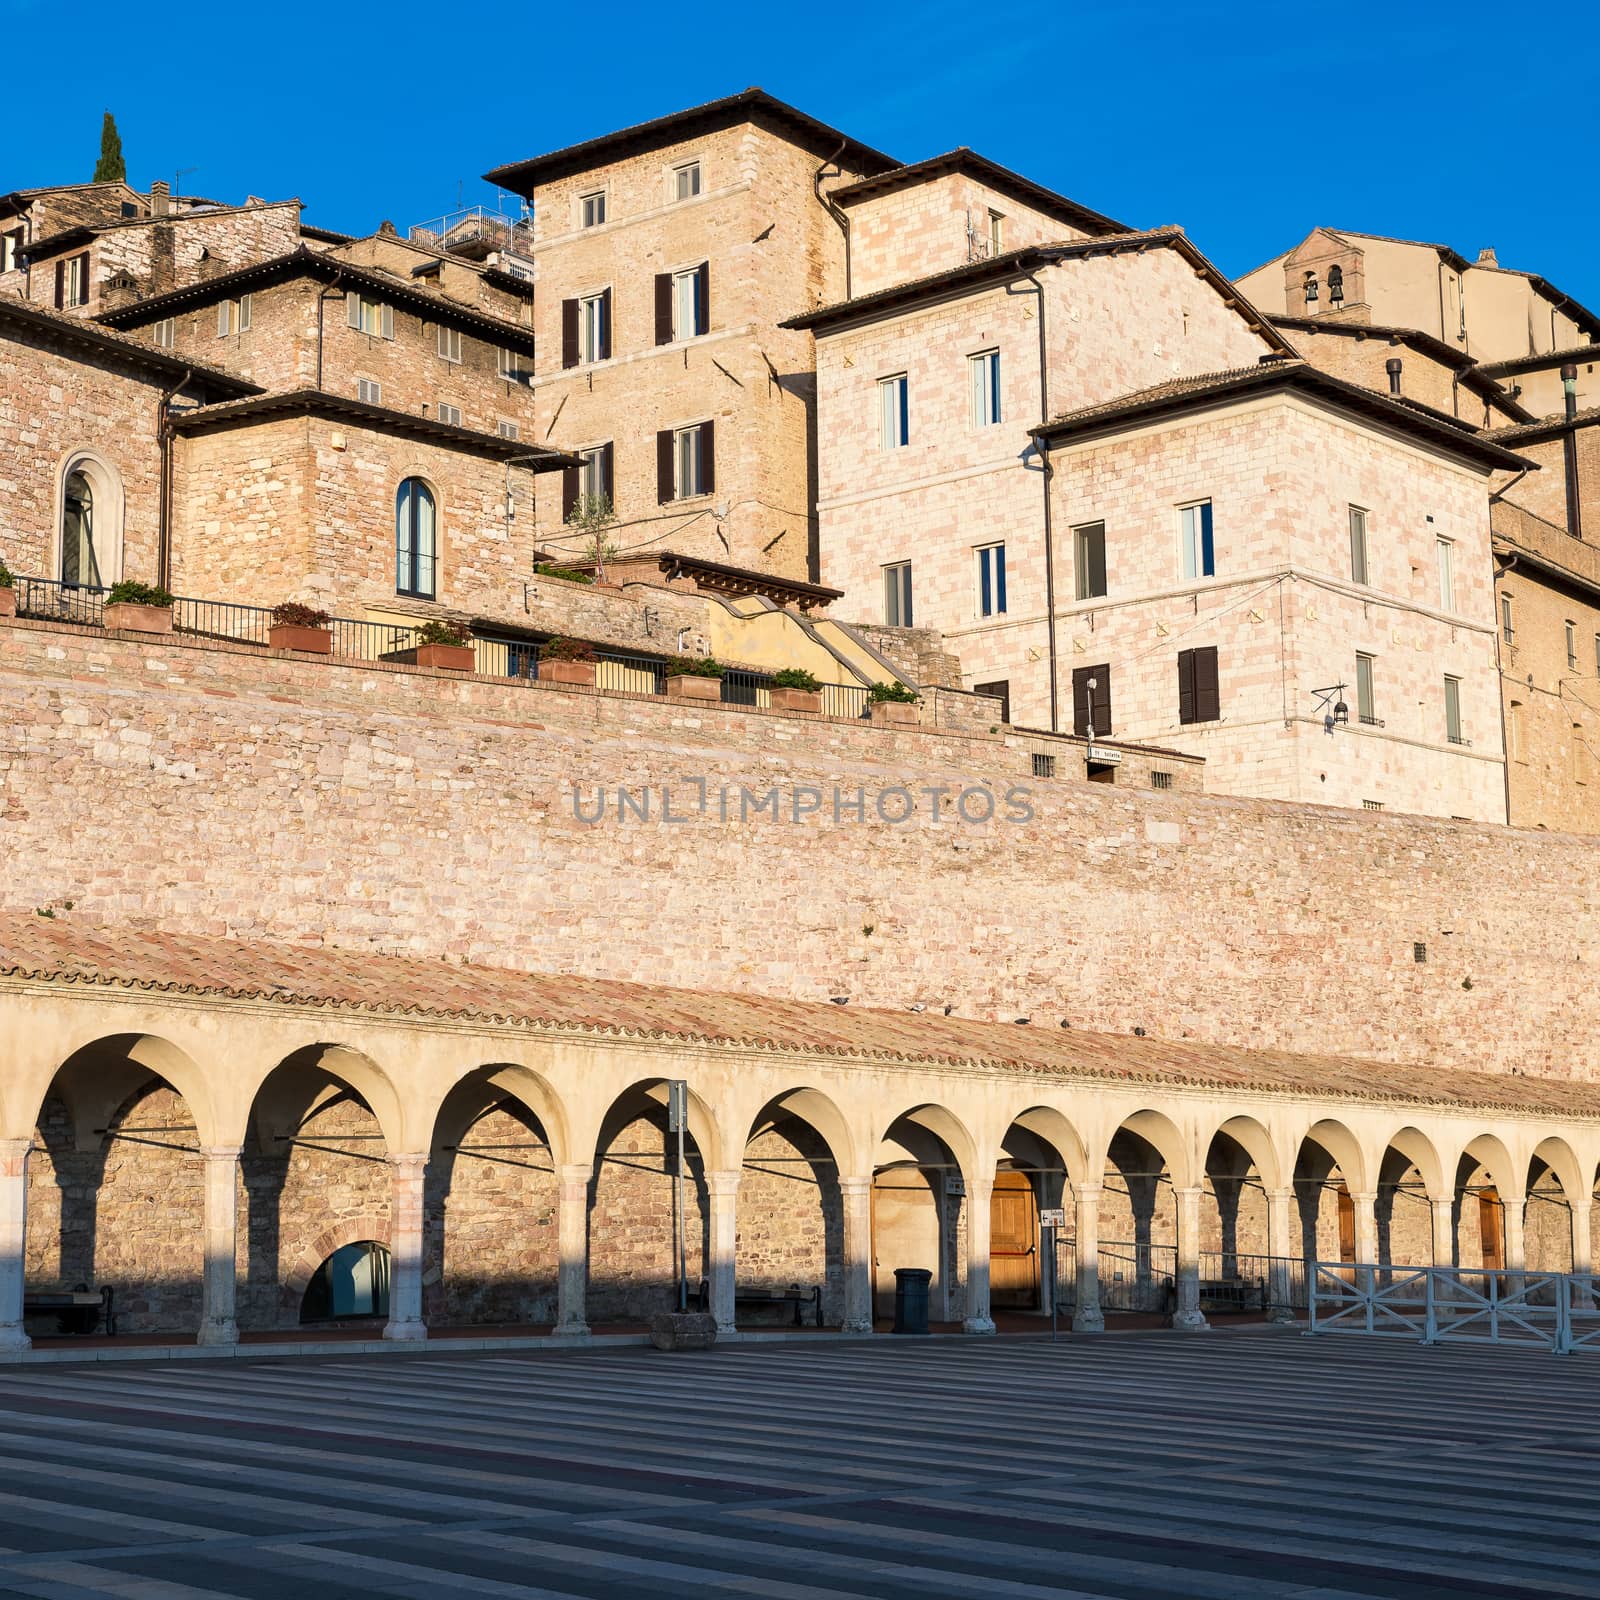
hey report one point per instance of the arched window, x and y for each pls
(80, 564)
(1336, 286)
(352, 1282)
(416, 539)
(1311, 290)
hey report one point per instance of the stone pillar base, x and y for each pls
(1089, 1321)
(413, 1331)
(215, 1333)
(571, 1330)
(14, 1341)
(978, 1325)
(858, 1326)
(1281, 1316)
(1189, 1321)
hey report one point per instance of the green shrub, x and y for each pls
(902, 693)
(130, 592)
(795, 678)
(291, 614)
(8, 579)
(563, 649)
(550, 569)
(694, 667)
(448, 633)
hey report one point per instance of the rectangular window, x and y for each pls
(515, 367)
(370, 316)
(10, 248)
(594, 476)
(690, 312)
(593, 339)
(984, 374)
(1445, 553)
(77, 269)
(894, 415)
(1199, 698)
(233, 316)
(1597, 655)
(370, 390)
(997, 233)
(686, 180)
(1358, 545)
(1159, 779)
(1572, 647)
(689, 457)
(1507, 631)
(508, 430)
(897, 595)
(592, 209)
(166, 332)
(449, 343)
(1091, 701)
(1043, 766)
(1514, 744)
(991, 580)
(1195, 528)
(999, 690)
(1452, 710)
(451, 415)
(1089, 560)
(1366, 706)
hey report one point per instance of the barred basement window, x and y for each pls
(1160, 780)
(1419, 952)
(1044, 766)
(1372, 805)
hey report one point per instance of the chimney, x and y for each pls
(160, 204)
(1486, 257)
(1569, 386)
(1569, 450)
(1392, 367)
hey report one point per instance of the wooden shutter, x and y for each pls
(61, 284)
(1186, 686)
(702, 298)
(1091, 720)
(569, 333)
(708, 457)
(608, 480)
(1207, 693)
(386, 321)
(1102, 701)
(664, 491)
(605, 325)
(83, 279)
(224, 317)
(663, 308)
(244, 312)
(352, 309)
(569, 492)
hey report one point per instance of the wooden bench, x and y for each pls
(78, 1310)
(1232, 1294)
(794, 1295)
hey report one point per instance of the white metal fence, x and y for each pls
(1450, 1305)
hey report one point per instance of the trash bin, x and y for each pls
(911, 1299)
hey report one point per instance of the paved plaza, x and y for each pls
(1242, 1463)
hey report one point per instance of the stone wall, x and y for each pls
(229, 791)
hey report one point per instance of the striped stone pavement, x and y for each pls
(1246, 1463)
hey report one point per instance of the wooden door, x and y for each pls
(1013, 1242)
(1491, 1229)
(1347, 1224)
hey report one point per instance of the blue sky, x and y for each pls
(1245, 122)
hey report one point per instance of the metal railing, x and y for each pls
(49, 600)
(1450, 1305)
(630, 674)
(1135, 1277)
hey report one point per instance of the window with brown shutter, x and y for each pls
(708, 457)
(608, 479)
(605, 325)
(61, 285)
(664, 486)
(1091, 701)
(569, 492)
(663, 308)
(1199, 698)
(569, 333)
(702, 298)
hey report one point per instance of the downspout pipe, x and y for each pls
(1500, 572)
(164, 486)
(322, 298)
(1043, 444)
(834, 211)
(1569, 449)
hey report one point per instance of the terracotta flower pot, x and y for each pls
(126, 617)
(452, 657)
(797, 700)
(576, 672)
(295, 636)
(688, 687)
(896, 713)
(8, 602)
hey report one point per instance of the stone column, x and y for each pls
(14, 1340)
(1516, 1245)
(723, 1188)
(856, 1195)
(405, 1249)
(1444, 1233)
(220, 1273)
(1087, 1316)
(1582, 1258)
(1365, 1205)
(1280, 1253)
(1188, 1313)
(979, 1197)
(572, 1244)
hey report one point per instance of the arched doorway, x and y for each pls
(919, 1210)
(1014, 1243)
(353, 1283)
(88, 552)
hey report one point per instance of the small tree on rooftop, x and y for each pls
(594, 518)
(110, 168)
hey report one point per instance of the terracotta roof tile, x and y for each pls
(67, 951)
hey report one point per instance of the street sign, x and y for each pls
(677, 1104)
(1052, 1218)
(1103, 753)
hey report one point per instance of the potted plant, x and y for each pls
(795, 689)
(134, 607)
(445, 644)
(8, 591)
(694, 678)
(894, 703)
(300, 627)
(564, 660)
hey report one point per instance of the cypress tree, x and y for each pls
(110, 168)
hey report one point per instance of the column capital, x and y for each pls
(855, 1186)
(221, 1152)
(409, 1164)
(575, 1172)
(1190, 1191)
(1084, 1191)
(1283, 1191)
(10, 1149)
(1364, 1197)
(723, 1183)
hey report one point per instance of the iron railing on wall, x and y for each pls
(1142, 1278)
